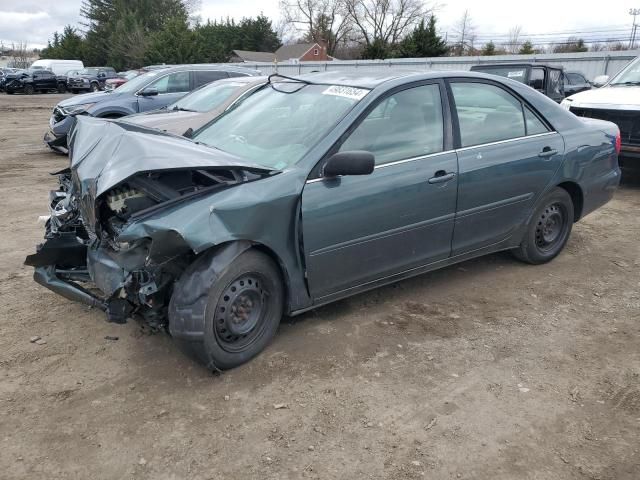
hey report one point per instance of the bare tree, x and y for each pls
(513, 44)
(321, 20)
(385, 22)
(20, 57)
(465, 31)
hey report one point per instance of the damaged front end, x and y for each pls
(104, 245)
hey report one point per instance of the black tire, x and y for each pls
(62, 88)
(28, 90)
(242, 308)
(73, 90)
(94, 87)
(9, 92)
(548, 230)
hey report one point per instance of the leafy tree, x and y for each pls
(526, 48)
(424, 41)
(258, 35)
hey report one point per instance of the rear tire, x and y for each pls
(244, 305)
(548, 230)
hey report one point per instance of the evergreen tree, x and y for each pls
(527, 48)
(423, 41)
(488, 49)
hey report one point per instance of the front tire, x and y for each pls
(62, 88)
(244, 305)
(95, 87)
(28, 90)
(548, 230)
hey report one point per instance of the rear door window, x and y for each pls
(203, 77)
(486, 113)
(536, 79)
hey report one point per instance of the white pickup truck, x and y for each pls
(617, 101)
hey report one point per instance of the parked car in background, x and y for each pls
(122, 78)
(575, 82)
(31, 81)
(64, 79)
(311, 190)
(90, 79)
(617, 101)
(546, 79)
(199, 107)
(58, 67)
(150, 91)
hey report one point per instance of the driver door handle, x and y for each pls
(441, 176)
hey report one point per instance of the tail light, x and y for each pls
(618, 142)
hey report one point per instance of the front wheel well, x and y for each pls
(577, 198)
(268, 252)
(111, 115)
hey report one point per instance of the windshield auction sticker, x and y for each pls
(347, 92)
(516, 74)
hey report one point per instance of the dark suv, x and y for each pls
(544, 78)
(149, 91)
(31, 81)
(90, 79)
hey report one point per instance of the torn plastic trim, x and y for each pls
(47, 277)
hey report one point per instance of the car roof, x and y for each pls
(518, 64)
(371, 80)
(202, 66)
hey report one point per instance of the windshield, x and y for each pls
(209, 97)
(130, 75)
(89, 71)
(514, 73)
(279, 124)
(629, 76)
(140, 81)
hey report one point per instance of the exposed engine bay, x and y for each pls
(124, 278)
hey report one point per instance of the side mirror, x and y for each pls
(356, 162)
(600, 80)
(149, 92)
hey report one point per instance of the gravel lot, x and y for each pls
(491, 369)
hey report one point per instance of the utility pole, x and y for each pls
(635, 12)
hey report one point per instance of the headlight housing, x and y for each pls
(566, 103)
(77, 109)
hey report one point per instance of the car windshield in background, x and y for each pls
(138, 82)
(130, 75)
(89, 71)
(629, 76)
(208, 98)
(279, 124)
(514, 73)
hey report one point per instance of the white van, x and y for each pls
(59, 67)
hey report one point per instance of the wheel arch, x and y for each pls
(577, 197)
(240, 246)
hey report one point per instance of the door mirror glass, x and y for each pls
(149, 92)
(355, 162)
(600, 80)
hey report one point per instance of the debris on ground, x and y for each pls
(34, 339)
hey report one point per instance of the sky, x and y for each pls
(34, 21)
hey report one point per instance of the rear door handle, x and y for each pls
(441, 176)
(547, 152)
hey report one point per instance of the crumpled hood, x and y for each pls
(614, 98)
(169, 121)
(104, 153)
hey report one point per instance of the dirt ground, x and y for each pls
(491, 369)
